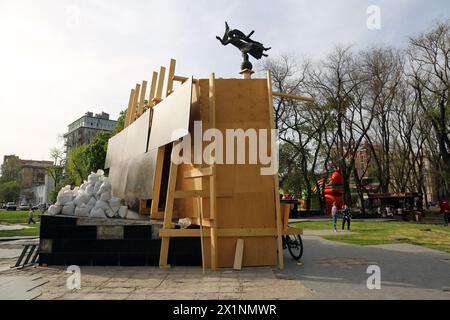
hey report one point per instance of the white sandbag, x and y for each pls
(92, 201)
(97, 213)
(97, 186)
(68, 209)
(83, 211)
(115, 204)
(90, 190)
(84, 185)
(93, 178)
(100, 173)
(185, 223)
(54, 210)
(82, 198)
(105, 196)
(123, 211)
(105, 187)
(102, 205)
(110, 213)
(64, 197)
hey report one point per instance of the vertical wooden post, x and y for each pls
(212, 178)
(154, 210)
(276, 183)
(172, 66)
(159, 89)
(153, 84)
(142, 99)
(200, 211)
(132, 116)
(130, 106)
(168, 214)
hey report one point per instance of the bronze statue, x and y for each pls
(245, 44)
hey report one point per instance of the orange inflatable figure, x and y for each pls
(334, 191)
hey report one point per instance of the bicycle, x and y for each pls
(294, 244)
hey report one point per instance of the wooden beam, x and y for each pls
(157, 182)
(293, 231)
(153, 84)
(172, 66)
(292, 96)
(276, 183)
(212, 178)
(180, 79)
(181, 194)
(198, 173)
(164, 254)
(247, 232)
(224, 233)
(142, 99)
(239, 255)
(200, 210)
(134, 106)
(183, 79)
(130, 106)
(159, 89)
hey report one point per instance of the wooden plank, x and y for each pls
(286, 211)
(180, 79)
(181, 194)
(239, 255)
(200, 210)
(247, 232)
(224, 233)
(157, 182)
(212, 178)
(276, 183)
(130, 106)
(159, 89)
(164, 254)
(184, 79)
(198, 173)
(172, 66)
(153, 84)
(292, 96)
(142, 99)
(133, 109)
(293, 231)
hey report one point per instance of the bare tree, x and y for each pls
(429, 71)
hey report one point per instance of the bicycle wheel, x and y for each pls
(295, 246)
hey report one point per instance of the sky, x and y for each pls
(61, 58)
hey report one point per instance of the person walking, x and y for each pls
(347, 217)
(334, 215)
(30, 217)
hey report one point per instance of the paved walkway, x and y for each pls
(144, 283)
(329, 270)
(338, 271)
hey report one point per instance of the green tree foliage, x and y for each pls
(11, 170)
(96, 151)
(9, 191)
(77, 167)
(120, 124)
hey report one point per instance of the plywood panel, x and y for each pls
(171, 117)
(242, 104)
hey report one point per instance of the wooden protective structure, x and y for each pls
(234, 209)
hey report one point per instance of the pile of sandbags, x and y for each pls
(92, 199)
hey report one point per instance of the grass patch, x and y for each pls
(17, 216)
(29, 232)
(374, 233)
